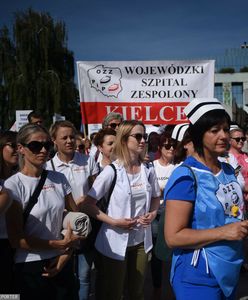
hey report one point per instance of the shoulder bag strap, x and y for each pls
(52, 164)
(193, 173)
(112, 184)
(34, 198)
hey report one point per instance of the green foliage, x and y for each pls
(37, 69)
(244, 69)
(227, 70)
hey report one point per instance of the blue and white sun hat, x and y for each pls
(179, 131)
(197, 107)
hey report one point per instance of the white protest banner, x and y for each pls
(154, 92)
(21, 118)
(94, 128)
(58, 117)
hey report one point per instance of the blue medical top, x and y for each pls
(184, 187)
(214, 197)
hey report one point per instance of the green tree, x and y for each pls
(37, 69)
(7, 75)
(227, 70)
(244, 69)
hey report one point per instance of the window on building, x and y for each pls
(237, 93)
(218, 91)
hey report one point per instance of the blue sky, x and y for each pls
(143, 30)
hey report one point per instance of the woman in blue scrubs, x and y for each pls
(204, 210)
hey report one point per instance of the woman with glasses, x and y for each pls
(125, 239)
(80, 170)
(204, 210)
(8, 166)
(237, 139)
(43, 269)
(112, 120)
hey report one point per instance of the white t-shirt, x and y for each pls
(45, 218)
(138, 202)
(163, 173)
(77, 172)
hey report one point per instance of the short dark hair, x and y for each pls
(99, 137)
(165, 137)
(208, 120)
(34, 114)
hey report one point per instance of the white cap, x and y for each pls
(199, 106)
(179, 131)
(233, 127)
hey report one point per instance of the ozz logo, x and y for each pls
(230, 196)
(106, 80)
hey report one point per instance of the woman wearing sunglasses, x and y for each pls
(43, 269)
(237, 139)
(112, 120)
(8, 166)
(124, 239)
(80, 170)
(204, 210)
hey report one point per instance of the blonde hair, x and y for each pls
(58, 124)
(120, 150)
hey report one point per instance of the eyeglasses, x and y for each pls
(12, 145)
(114, 125)
(139, 136)
(36, 146)
(238, 139)
(168, 146)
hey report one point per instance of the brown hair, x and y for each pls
(99, 137)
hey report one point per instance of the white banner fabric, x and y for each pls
(154, 92)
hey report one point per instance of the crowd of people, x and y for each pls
(176, 198)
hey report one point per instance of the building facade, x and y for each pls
(231, 83)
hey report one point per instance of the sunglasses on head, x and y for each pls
(12, 145)
(36, 146)
(114, 125)
(238, 139)
(139, 136)
(168, 146)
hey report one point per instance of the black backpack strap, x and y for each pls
(34, 198)
(193, 173)
(53, 166)
(98, 167)
(112, 184)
